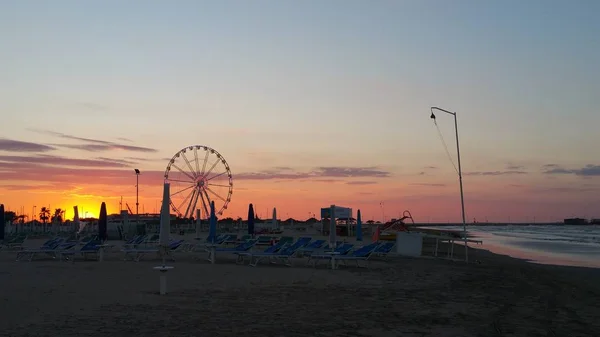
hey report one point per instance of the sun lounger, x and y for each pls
(383, 249)
(312, 247)
(285, 254)
(90, 248)
(16, 242)
(138, 253)
(50, 247)
(242, 247)
(269, 250)
(360, 254)
(340, 250)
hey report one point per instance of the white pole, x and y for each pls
(462, 198)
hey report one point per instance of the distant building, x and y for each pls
(575, 221)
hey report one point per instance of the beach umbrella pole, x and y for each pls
(164, 240)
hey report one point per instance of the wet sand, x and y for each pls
(500, 296)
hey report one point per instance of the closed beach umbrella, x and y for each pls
(212, 225)
(275, 218)
(165, 217)
(2, 222)
(358, 226)
(332, 227)
(251, 220)
(76, 219)
(103, 223)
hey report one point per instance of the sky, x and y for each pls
(310, 103)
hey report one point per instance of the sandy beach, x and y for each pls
(500, 296)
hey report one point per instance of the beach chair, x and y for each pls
(242, 247)
(16, 242)
(340, 250)
(286, 239)
(285, 254)
(50, 248)
(312, 247)
(138, 253)
(135, 241)
(241, 256)
(90, 248)
(360, 254)
(383, 249)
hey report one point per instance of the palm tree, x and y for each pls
(58, 215)
(44, 216)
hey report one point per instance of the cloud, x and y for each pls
(361, 182)
(93, 145)
(512, 167)
(122, 161)
(428, 184)
(125, 139)
(495, 173)
(586, 171)
(10, 145)
(565, 189)
(41, 159)
(430, 167)
(106, 147)
(319, 172)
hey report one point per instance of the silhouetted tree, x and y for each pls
(44, 216)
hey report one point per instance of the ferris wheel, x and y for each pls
(198, 175)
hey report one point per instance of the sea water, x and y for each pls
(546, 244)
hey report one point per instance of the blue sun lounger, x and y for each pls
(360, 254)
(241, 256)
(311, 247)
(340, 250)
(50, 247)
(242, 247)
(90, 248)
(138, 253)
(285, 254)
(383, 249)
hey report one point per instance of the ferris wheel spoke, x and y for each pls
(215, 194)
(219, 185)
(206, 211)
(204, 164)
(212, 168)
(208, 199)
(216, 176)
(185, 189)
(194, 204)
(194, 196)
(185, 201)
(182, 171)
(196, 160)
(189, 165)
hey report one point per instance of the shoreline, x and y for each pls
(401, 296)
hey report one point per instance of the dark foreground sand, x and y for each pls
(401, 297)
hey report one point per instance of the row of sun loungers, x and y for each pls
(247, 250)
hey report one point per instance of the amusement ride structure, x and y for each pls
(198, 175)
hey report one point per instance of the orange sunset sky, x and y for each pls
(306, 113)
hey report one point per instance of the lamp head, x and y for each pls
(432, 116)
(137, 171)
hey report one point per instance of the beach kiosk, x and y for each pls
(340, 213)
